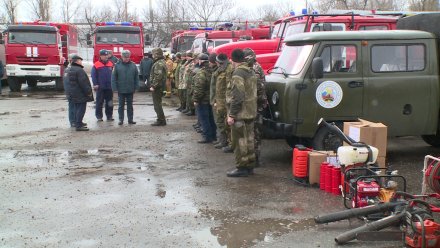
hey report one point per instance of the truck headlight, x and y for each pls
(10, 68)
(54, 68)
(275, 98)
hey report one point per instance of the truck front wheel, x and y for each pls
(32, 83)
(325, 140)
(14, 84)
(433, 140)
(292, 141)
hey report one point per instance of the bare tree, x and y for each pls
(70, 9)
(10, 7)
(325, 5)
(206, 10)
(424, 5)
(121, 11)
(40, 9)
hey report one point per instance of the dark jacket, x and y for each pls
(125, 77)
(2, 72)
(79, 89)
(202, 81)
(145, 68)
(102, 74)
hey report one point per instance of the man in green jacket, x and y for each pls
(125, 81)
(158, 78)
(242, 110)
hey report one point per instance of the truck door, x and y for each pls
(400, 90)
(338, 95)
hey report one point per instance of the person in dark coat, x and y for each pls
(145, 68)
(79, 90)
(125, 81)
(1, 75)
(71, 105)
(102, 84)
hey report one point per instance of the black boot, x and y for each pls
(184, 111)
(221, 141)
(228, 149)
(191, 113)
(159, 123)
(239, 172)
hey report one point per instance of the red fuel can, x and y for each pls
(328, 178)
(336, 180)
(300, 163)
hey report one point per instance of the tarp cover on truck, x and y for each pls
(428, 22)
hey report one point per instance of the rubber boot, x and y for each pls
(222, 141)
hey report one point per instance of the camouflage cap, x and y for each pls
(203, 57)
(189, 54)
(125, 54)
(183, 54)
(249, 55)
(157, 52)
(179, 55)
(195, 55)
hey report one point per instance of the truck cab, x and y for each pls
(382, 76)
(34, 53)
(324, 23)
(182, 40)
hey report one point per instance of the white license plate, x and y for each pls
(33, 73)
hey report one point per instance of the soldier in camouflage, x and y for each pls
(222, 78)
(183, 72)
(201, 90)
(242, 110)
(177, 79)
(158, 78)
(192, 70)
(261, 100)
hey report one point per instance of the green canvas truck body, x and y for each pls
(381, 76)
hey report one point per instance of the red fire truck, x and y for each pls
(182, 40)
(208, 41)
(118, 36)
(37, 52)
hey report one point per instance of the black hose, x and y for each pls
(372, 226)
(422, 224)
(356, 212)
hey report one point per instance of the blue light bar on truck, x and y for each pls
(304, 11)
(197, 28)
(292, 13)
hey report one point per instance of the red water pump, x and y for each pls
(367, 193)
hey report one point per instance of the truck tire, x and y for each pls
(32, 83)
(433, 140)
(325, 140)
(14, 84)
(59, 84)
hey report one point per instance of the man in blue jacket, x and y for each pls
(125, 81)
(102, 84)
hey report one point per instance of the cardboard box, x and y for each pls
(373, 134)
(315, 160)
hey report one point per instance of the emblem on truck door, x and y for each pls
(329, 94)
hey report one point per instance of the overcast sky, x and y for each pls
(23, 14)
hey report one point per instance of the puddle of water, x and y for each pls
(236, 231)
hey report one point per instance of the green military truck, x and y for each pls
(381, 76)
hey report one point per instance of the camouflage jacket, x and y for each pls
(212, 84)
(192, 75)
(202, 81)
(158, 74)
(188, 77)
(261, 88)
(223, 80)
(182, 83)
(242, 97)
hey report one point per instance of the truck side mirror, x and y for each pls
(88, 37)
(147, 40)
(317, 68)
(89, 42)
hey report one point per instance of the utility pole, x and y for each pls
(126, 10)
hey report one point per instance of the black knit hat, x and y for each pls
(221, 58)
(237, 55)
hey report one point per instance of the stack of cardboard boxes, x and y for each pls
(370, 133)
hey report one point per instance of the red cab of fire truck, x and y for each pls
(318, 23)
(118, 36)
(208, 41)
(182, 40)
(37, 52)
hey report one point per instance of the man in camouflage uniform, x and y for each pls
(201, 90)
(189, 78)
(158, 77)
(182, 82)
(251, 59)
(170, 74)
(222, 78)
(177, 79)
(242, 106)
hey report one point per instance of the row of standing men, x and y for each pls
(229, 99)
(111, 76)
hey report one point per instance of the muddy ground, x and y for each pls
(143, 186)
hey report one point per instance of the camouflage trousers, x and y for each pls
(157, 102)
(242, 133)
(222, 127)
(258, 131)
(182, 97)
(189, 100)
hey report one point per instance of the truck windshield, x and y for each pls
(292, 59)
(294, 29)
(35, 37)
(118, 38)
(275, 31)
(185, 43)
